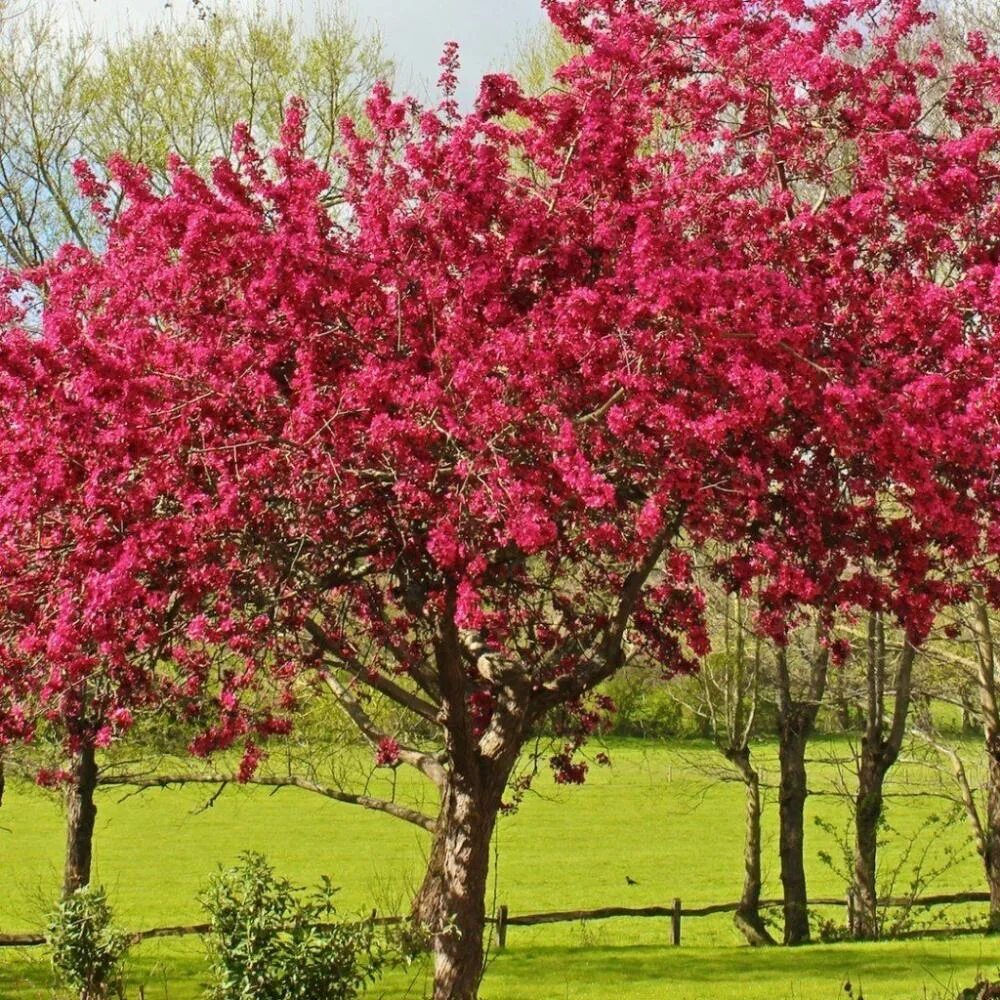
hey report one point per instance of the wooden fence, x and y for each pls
(677, 911)
(504, 919)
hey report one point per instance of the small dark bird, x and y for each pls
(630, 880)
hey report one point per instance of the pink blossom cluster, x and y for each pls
(529, 361)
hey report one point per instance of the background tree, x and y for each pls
(887, 671)
(966, 645)
(67, 93)
(799, 684)
(730, 680)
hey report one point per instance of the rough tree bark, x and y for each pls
(425, 907)
(879, 751)
(796, 720)
(479, 754)
(81, 815)
(458, 895)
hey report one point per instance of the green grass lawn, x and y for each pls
(656, 815)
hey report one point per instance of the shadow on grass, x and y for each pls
(164, 973)
(910, 970)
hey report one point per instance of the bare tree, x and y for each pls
(730, 686)
(970, 655)
(726, 695)
(888, 671)
(66, 94)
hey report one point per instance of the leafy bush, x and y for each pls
(273, 941)
(87, 951)
(645, 707)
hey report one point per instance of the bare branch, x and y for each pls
(141, 783)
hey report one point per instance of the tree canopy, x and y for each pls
(448, 424)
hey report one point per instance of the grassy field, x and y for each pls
(657, 815)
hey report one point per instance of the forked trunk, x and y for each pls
(81, 815)
(747, 917)
(791, 839)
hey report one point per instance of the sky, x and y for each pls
(413, 31)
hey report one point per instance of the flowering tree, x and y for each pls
(450, 440)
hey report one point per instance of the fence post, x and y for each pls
(850, 910)
(675, 922)
(502, 928)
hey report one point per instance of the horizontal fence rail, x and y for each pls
(32, 940)
(504, 918)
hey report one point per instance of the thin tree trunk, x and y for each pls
(879, 751)
(991, 854)
(747, 917)
(868, 807)
(791, 836)
(984, 837)
(796, 720)
(844, 720)
(81, 815)
(968, 722)
(989, 713)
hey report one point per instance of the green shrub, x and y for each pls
(273, 941)
(87, 951)
(645, 707)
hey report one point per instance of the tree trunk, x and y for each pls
(747, 917)
(923, 710)
(867, 812)
(425, 909)
(879, 751)
(796, 719)
(968, 721)
(791, 839)
(81, 815)
(991, 838)
(456, 898)
(989, 713)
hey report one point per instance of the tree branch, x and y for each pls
(141, 783)
(379, 682)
